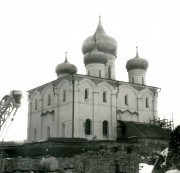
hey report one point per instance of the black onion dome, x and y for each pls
(95, 56)
(137, 63)
(101, 40)
(66, 68)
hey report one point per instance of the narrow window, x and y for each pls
(143, 80)
(126, 99)
(64, 95)
(132, 79)
(35, 104)
(99, 73)
(49, 100)
(147, 102)
(86, 94)
(109, 72)
(104, 96)
(105, 128)
(35, 133)
(88, 127)
(48, 132)
(89, 72)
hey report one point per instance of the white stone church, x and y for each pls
(90, 106)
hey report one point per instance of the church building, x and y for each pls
(91, 106)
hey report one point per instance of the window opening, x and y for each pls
(132, 79)
(126, 99)
(88, 127)
(147, 102)
(104, 96)
(99, 73)
(48, 132)
(105, 128)
(143, 80)
(35, 133)
(63, 130)
(86, 94)
(35, 104)
(109, 72)
(49, 100)
(64, 95)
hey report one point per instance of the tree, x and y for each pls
(173, 158)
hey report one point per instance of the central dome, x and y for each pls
(101, 41)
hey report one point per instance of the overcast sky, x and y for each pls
(35, 34)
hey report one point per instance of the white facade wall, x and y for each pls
(58, 116)
(127, 110)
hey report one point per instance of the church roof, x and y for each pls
(144, 130)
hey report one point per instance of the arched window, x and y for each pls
(104, 96)
(88, 127)
(35, 107)
(126, 99)
(105, 128)
(49, 99)
(48, 132)
(147, 102)
(35, 135)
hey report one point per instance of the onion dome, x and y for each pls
(95, 56)
(66, 67)
(101, 41)
(137, 63)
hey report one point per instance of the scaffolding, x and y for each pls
(164, 123)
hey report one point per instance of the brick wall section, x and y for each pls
(103, 161)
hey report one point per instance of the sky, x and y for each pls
(34, 36)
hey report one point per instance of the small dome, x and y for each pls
(137, 63)
(101, 40)
(95, 56)
(66, 68)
